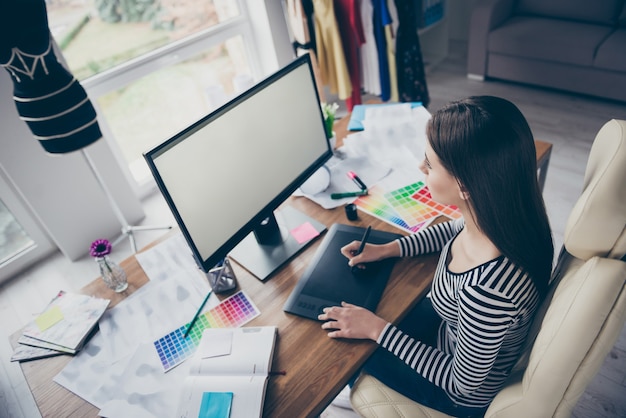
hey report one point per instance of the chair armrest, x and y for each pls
(486, 15)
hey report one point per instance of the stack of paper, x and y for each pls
(62, 328)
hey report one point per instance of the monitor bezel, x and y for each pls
(274, 203)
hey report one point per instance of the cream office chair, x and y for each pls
(580, 320)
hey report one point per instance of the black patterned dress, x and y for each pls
(48, 98)
(410, 66)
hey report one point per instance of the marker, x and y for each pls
(357, 180)
(195, 318)
(348, 194)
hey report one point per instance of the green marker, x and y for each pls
(348, 194)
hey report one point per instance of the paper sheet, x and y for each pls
(394, 139)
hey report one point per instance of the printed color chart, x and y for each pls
(375, 204)
(423, 195)
(232, 312)
(409, 208)
(414, 212)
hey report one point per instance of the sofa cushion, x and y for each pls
(612, 53)
(604, 12)
(548, 39)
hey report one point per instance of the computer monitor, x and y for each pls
(224, 176)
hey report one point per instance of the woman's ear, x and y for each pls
(463, 193)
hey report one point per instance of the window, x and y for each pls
(152, 67)
(22, 240)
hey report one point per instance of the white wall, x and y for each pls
(60, 189)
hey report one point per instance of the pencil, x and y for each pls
(195, 317)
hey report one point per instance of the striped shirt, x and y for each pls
(486, 311)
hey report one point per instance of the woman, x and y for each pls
(455, 350)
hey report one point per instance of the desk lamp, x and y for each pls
(48, 97)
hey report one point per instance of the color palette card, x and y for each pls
(410, 207)
(378, 206)
(413, 211)
(232, 312)
(422, 194)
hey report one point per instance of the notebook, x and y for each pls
(329, 280)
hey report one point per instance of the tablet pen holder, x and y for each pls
(222, 277)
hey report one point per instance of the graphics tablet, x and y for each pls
(329, 280)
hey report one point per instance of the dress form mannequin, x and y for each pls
(48, 98)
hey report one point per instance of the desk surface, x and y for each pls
(317, 367)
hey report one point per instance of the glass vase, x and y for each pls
(113, 275)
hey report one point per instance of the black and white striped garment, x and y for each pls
(486, 311)
(51, 101)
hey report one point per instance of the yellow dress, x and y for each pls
(332, 61)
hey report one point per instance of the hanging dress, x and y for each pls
(370, 74)
(48, 98)
(411, 75)
(330, 55)
(352, 37)
(381, 18)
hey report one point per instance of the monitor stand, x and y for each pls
(272, 244)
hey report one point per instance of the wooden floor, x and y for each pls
(570, 122)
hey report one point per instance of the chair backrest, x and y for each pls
(581, 324)
(585, 311)
(597, 223)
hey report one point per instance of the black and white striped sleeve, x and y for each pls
(484, 317)
(429, 240)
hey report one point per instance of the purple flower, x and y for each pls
(100, 248)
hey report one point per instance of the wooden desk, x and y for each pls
(317, 367)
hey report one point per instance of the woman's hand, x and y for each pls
(371, 252)
(351, 321)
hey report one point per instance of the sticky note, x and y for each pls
(49, 318)
(220, 344)
(304, 232)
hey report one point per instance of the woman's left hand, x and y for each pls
(351, 321)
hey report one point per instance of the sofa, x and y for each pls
(572, 45)
(579, 321)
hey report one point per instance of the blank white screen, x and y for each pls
(224, 173)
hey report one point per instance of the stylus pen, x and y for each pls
(195, 317)
(363, 240)
(348, 194)
(357, 180)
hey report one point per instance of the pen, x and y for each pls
(348, 194)
(195, 318)
(363, 240)
(358, 269)
(357, 180)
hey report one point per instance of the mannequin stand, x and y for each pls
(127, 230)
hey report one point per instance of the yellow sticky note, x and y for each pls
(49, 318)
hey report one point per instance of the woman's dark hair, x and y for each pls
(486, 144)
